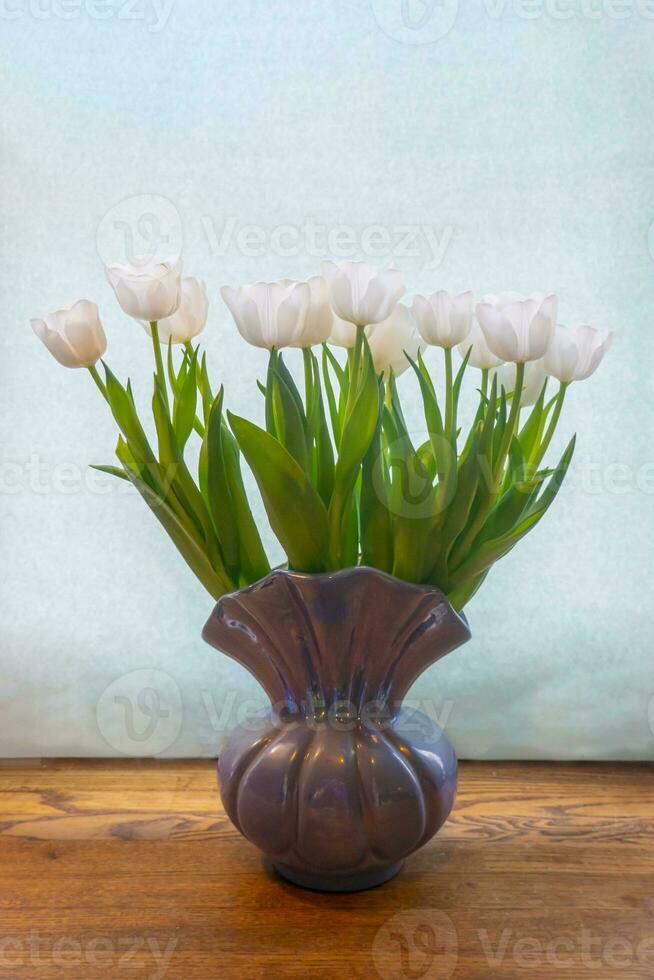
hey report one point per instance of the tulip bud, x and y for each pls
(362, 294)
(73, 335)
(575, 354)
(518, 328)
(480, 353)
(279, 314)
(189, 319)
(147, 289)
(392, 339)
(532, 384)
(443, 319)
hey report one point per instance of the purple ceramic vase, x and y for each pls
(338, 783)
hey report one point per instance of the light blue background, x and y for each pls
(522, 138)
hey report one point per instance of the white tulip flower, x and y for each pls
(443, 319)
(575, 354)
(390, 339)
(344, 334)
(532, 385)
(320, 317)
(480, 353)
(281, 314)
(362, 294)
(189, 319)
(518, 328)
(147, 289)
(73, 335)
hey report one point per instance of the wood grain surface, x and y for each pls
(130, 869)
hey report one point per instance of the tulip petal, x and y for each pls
(498, 332)
(291, 315)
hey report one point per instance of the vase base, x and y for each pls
(334, 883)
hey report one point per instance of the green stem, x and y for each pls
(93, 371)
(484, 381)
(308, 379)
(512, 419)
(355, 370)
(449, 393)
(156, 346)
(556, 412)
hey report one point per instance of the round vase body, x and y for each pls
(338, 782)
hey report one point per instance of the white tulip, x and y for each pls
(444, 319)
(189, 319)
(518, 328)
(575, 354)
(73, 335)
(361, 293)
(480, 353)
(391, 338)
(532, 385)
(320, 315)
(147, 289)
(344, 334)
(281, 314)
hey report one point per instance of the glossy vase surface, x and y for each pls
(338, 782)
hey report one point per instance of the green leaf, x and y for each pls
(254, 563)
(111, 470)
(495, 549)
(500, 426)
(327, 360)
(458, 598)
(204, 387)
(456, 391)
(322, 465)
(172, 375)
(443, 454)
(122, 407)
(192, 554)
(356, 436)
(289, 420)
(296, 513)
(376, 520)
(425, 453)
(507, 511)
(486, 489)
(183, 486)
(185, 405)
(532, 430)
(542, 503)
(218, 491)
(413, 500)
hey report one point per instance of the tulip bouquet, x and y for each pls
(341, 479)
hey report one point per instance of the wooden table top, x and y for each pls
(131, 869)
